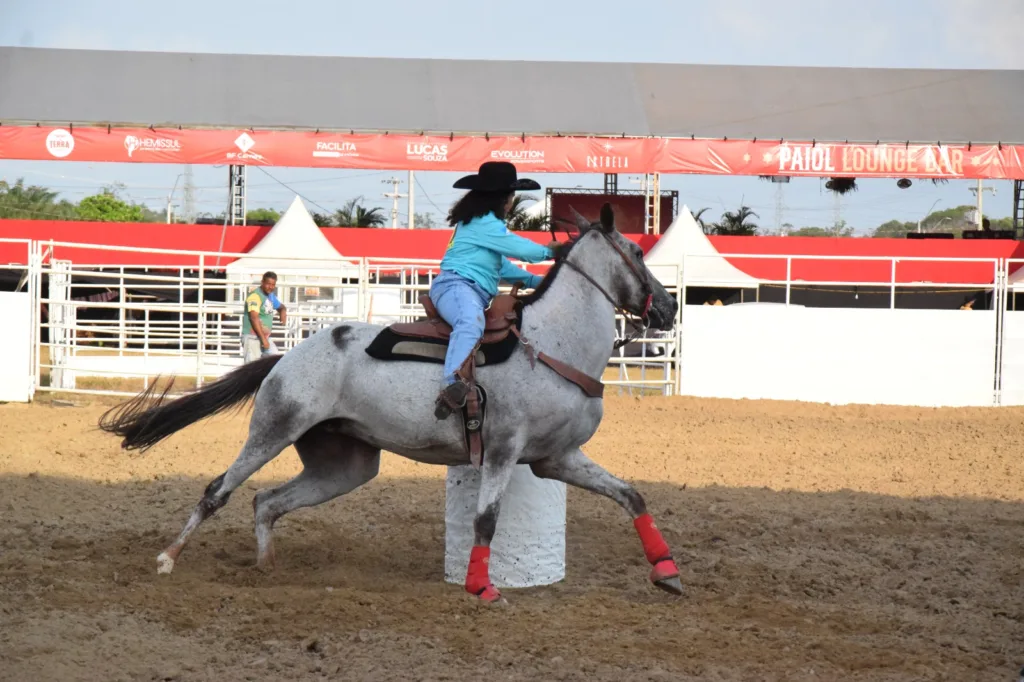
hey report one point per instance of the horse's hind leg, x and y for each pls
(332, 465)
(578, 470)
(262, 446)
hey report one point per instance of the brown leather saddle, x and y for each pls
(499, 319)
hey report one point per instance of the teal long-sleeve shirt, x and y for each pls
(480, 250)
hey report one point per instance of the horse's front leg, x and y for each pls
(578, 470)
(495, 475)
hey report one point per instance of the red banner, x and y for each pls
(537, 154)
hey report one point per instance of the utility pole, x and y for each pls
(395, 195)
(927, 214)
(979, 190)
(170, 197)
(412, 201)
(779, 181)
(188, 209)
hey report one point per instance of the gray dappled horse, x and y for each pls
(340, 407)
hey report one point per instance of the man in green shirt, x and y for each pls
(258, 319)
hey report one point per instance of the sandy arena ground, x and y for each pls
(816, 543)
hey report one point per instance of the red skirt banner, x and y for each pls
(305, 149)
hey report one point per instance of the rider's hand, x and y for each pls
(558, 249)
(265, 344)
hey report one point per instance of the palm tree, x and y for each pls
(321, 219)
(33, 202)
(516, 216)
(534, 223)
(706, 229)
(519, 220)
(735, 223)
(353, 214)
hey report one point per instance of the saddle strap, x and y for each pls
(474, 419)
(591, 386)
(474, 425)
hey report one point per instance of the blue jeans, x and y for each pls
(461, 303)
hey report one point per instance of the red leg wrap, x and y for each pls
(666, 568)
(655, 547)
(478, 580)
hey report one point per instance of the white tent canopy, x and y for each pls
(704, 266)
(1016, 277)
(295, 236)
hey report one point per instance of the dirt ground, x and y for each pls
(816, 542)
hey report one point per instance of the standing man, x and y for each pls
(258, 319)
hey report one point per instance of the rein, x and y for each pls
(592, 387)
(641, 277)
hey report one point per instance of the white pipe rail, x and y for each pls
(206, 333)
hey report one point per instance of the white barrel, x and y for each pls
(528, 548)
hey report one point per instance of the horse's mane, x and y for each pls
(545, 283)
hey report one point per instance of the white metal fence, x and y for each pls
(113, 329)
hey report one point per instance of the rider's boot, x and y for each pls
(451, 398)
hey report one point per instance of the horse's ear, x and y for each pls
(607, 218)
(581, 223)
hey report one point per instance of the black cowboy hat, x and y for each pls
(495, 176)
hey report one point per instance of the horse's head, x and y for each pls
(616, 266)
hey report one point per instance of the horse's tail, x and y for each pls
(144, 421)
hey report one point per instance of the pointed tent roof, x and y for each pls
(707, 268)
(295, 235)
(1016, 276)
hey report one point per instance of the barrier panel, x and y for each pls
(16, 347)
(885, 355)
(185, 321)
(1010, 388)
(839, 356)
(134, 323)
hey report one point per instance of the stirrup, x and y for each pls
(451, 398)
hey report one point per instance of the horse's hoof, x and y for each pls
(672, 585)
(266, 562)
(491, 595)
(164, 563)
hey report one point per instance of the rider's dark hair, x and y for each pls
(269, 274)
(475, 204)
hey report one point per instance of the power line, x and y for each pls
(429, 199)
(93, 182)
(293, 190)
(49, 216)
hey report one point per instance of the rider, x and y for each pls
(476, 259)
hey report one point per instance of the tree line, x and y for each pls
(355, 214)
(34, 202)
(951, 220)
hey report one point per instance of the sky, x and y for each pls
(869, 33)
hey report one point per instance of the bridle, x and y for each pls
(642, 278)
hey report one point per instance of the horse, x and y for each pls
(340, 407)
